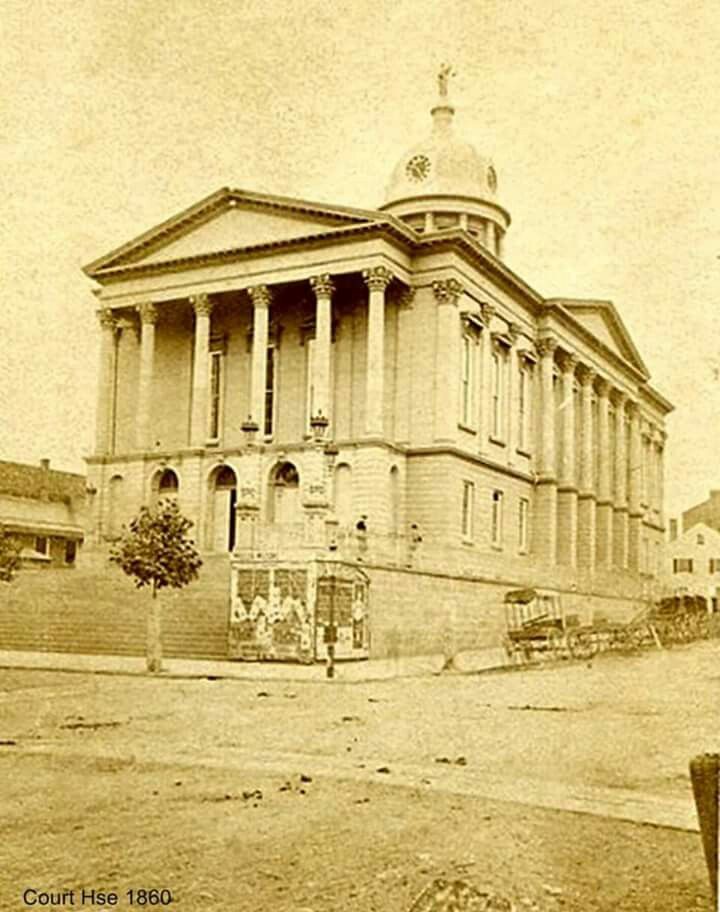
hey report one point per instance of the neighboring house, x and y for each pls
(707, 512)
(691, 564)
(283, 367)
(44, 510)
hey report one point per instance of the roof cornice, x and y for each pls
(206, 208)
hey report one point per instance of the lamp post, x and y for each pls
(318, 426)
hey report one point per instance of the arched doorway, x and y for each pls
(223, 498)
(114, 507)
(165, 486)
(284, 496)
(343, 495)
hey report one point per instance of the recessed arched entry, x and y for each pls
(284, 505)
(343, 494)
(115, 495)
(165, 485)
(222, 501)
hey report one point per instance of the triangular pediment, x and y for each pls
(601, 319)
(231, 220)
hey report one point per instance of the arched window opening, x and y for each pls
(284, 495)
(222, 502)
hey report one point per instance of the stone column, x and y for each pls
(260, 296)
(148, 319)
(323, 287)
(586, 477)
(620, 510)
(604, 511)
(377, 280)
(567, 483)
(447, 360)
(545, 513)
(635, 513)
(486, 345)
(105, 414)
(201, 364)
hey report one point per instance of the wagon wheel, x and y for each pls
(638, 636)
(582, 644)
(556, 643)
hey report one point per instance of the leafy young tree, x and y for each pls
(156, 552)
(9, 556)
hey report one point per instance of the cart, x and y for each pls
(537, 627)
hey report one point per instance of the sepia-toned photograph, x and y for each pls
(359, 476)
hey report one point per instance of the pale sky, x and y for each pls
(601, 117)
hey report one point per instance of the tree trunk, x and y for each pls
(154, 638)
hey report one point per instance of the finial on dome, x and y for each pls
(443, 110)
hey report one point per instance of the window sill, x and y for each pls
(468, 543)
(496, 547)
(522, 452)
(213, 442)
(467, 427)
(497, 441)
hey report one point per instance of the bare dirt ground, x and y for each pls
(241, 795)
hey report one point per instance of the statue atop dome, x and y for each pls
(446, 71)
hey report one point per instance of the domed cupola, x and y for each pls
(444, 183)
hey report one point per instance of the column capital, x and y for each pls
(487, 312)
(618, 399)
(603, 387)
(546, 346)
(568, 362)
(147, 312)
(106, 318)
(633, 409)
(202, 305)
(586, 375)
(377, 278)
(447, 291)
(322, 285)
(260, 295)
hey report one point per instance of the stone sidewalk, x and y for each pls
(356, 671)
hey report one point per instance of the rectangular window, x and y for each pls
(715, 564)
(523, 514)
(270, 374)
(467, 381)
(497, 395)
(216, 378)
(524, 401)
(41, 544)
(496, 524)
(682, 565)
(468, 508)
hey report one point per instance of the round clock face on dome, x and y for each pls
(492, 179)
(418, 168)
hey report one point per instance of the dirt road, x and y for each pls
(195, 786)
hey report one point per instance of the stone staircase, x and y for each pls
(95, 609)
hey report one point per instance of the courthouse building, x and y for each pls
(378, 388)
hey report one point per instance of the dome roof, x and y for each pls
(442, 165)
